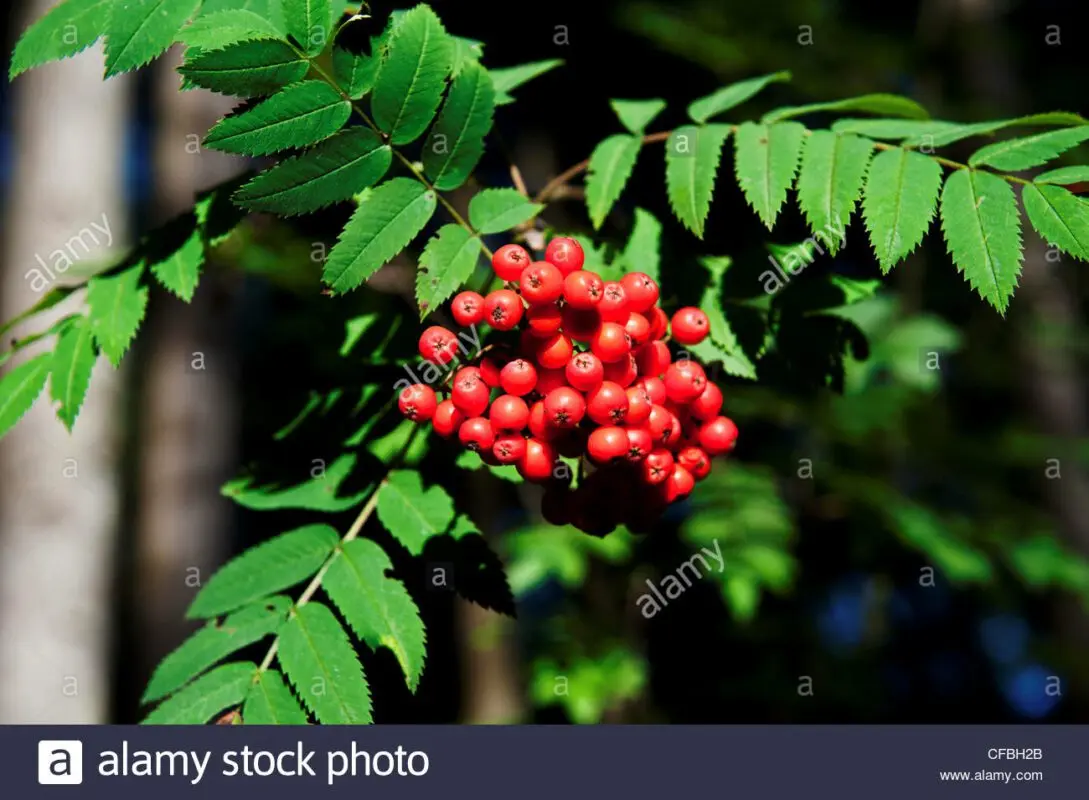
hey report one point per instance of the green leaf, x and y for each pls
(177, 254)
(496, 210)
(729, 96)
(1029, 151)
(56, 295)
(270, 567)
(68, 28)
(468, 460)
(642, 253)
(319, 493)
(335, 170)
(960, 131)
(321, 664)
(205, 697)
(692, 158)
(380, 228)
(214, 642)
(507, 79)
(767, 158)
(983, 230)
(635, 115)
(270, 702)
(116, 309)
(310, 23)
(70, 374)
(830, 181)
(456, 141)
(20, 388)
(298, 115)
(412, 514)
(611, 165)
(356, 71)
(892, 105)
(222, 28)
(899, 202)
(894, 128)
(412, 78)
(1063, 175)
(1061, 218)
(721, 345)
(378, 608)
(247, 69)
(140, 30)
(466, 52)
(446, 264)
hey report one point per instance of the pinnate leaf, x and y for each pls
(20, 388)
(310, 23)
(298, 115)
(830, 181)
(642, 253)
(507, 79)
(380, 228)
(1060, 217)
(70, 374)
(890, 104)
(899, 202)
(378, 608)
(214, 642)
(270, 567)
(729, 96)
(1029, 151)
(446, 264)
(456, 141)
(983, 230)
(319, 660)
(116, 308)
(767, 158)
(334, 170)
(1063, 176)
(176, 255)
(247, 69)
(205, 697)
(411, 513)
(635, 115)
(611, 165)
(693, 153)
(270, 702)
(222, 28)
(895, 128)
(959, 131)
(68, 28)
(412, 78)
(495, 210)
(140, 30)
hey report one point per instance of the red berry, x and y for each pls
(653, 358)
(639, 405)
(580, 325)
(695, 461)
(659, 322)
(536, 463)
(641, 289)
(607, 404)
(438, 345)
(614, 303)
(684, 381)
(555, 351)
(657, 466)
(509, 448)
(637, 328)
(584, 371)
(509, 261)
(623, 371)
(655, 389)
(673, 432)
(541, 283)
(564, 407)
(708, 404)
(489, 371)
(477, 434)
(690, 326)
(518, 377)
(566, 254)
(538, 422)
(549, 379)
(607, 444)
(503, 309)
(447, 419)
(640, 443)
(508, 413)
(467, 308)
(610, 342)
(660, 424)
(679, 484)
(418, 402)
(718, 436)
(470, 394)
(583, 290)
(544, 320)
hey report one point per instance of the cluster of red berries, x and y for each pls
(590, 375)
